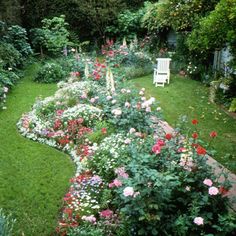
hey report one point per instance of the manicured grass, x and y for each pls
(33, 177)
(187, 97)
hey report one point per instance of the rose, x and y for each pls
(198, 221)
(128, 191)
(208, 182)
(194, 122)
(213, 191)
(201, 150)
(156, 149)
(195, 135)
(213, 134)
(168, 136)
(106, 214)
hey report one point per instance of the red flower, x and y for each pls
(213, 134)
(195, 135)
(194, 122)
(223, 190)
(201, 150)
(104, 130)
(168, 136)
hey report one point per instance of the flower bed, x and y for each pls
(127, 182)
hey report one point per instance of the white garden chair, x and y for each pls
(162, 72)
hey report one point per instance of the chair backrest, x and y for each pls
(163, 64)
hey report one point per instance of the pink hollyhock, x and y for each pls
(198, 221)
(128, 191)
(106, 214)
(208, 182)
(213, 191)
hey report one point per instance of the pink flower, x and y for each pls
(117, 183)
(198, 221)
(92, 100)
(59, 112)
(128, 191)
(109, 98)
(121, 172)
(106, 214)
(182, 149)
(161, 142)
(213, 191)
(90, 218)
(208, 182)
(156, 149)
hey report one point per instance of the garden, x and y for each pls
(83, 146)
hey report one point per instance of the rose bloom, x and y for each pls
(117, 183)
(103, 130)
(195, 135)
(213, 191)
(109, 98)
(213, 134)
(128, 191)
(201, 150)
(156, 149)
(92, 100)
(208, 182)
(194, 122)
(168, 136)
(198, 221)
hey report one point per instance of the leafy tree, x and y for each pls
(17, 36)
(216, 30)
(100, 14)
(53, 34)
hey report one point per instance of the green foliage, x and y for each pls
(128, 24)
(17, 36)
(179, 15)
(9, 55)
(216, 29)
(6, 224)
(232, 107)
(53, 35)
(86, 230)
(50, 73)
(38, 39)
(8, 78)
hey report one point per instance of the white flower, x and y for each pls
(132, 130)
(141, 93)
(109, 98)
(116, 112)
(127, 104)
(128, 191)
(198, 221)
(158, 108)
(113, 101)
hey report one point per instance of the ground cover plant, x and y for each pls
(131, 178)
(33, 176)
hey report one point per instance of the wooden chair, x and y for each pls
(162, 72)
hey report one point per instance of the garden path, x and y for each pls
(217, 167)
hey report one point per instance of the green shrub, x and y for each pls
(50, 73)
(233, 106)
(6, 224)
(9, 56)
(86, 230)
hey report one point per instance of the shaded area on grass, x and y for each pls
(188, 97)
(34, 177)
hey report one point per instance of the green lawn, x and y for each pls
(188, 97)
(33, 177)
